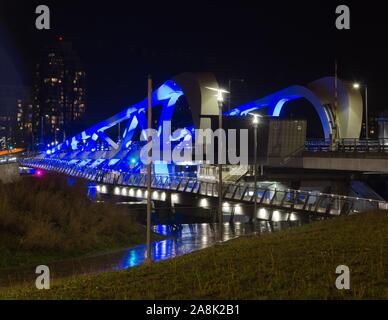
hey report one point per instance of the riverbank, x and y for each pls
(297, 263)
(44, 220)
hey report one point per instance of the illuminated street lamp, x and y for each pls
(55, 134)
(148, 259)
(42, 128)
(255, 122)
(358, 86)
(220, 100)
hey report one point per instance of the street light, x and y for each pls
(55, 134)
(42, 128)
(148, 259)
(219, 94)
(220, 100)
(230, 89)
(255, 122)
(358, 86)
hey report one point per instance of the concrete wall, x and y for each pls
(350, 105)
(202, 101)
(9, 173)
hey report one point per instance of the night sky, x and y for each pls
(270, 45)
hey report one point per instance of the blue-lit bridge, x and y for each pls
(187, 95)
(109, 157)
(293, 201)
(347, 155)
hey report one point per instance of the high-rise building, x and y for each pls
(59, 92)
(27, 121)
(16, 116)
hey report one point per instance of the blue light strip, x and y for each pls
(275, 103)
(93, 143)
(167, 95)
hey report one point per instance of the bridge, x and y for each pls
(187, 95)
(105, 155)
(11, 156)
(117, 183)
(345, 155)
(9, 168)
(352, 155)
(340, 117)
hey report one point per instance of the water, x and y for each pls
(183, 240)
(193, 237)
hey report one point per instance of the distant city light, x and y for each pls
(356, 85)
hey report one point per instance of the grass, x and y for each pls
(43, 220)
(298, 263)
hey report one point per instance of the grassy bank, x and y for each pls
(293, 264)
(43, 220)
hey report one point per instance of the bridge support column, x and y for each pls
(270, 215)
(171, 204)
(231, 218)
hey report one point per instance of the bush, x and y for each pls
(48, 215)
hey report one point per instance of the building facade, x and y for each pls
(59, 92)
(16, 117)
(26, 121)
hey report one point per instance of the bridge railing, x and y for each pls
(290, 199)
(347, 145)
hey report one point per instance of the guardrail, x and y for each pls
(8, 159)
(289, 199)
(347, 145)
(12, 157)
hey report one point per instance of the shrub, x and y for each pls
(48, 215)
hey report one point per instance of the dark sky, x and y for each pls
(271, 44)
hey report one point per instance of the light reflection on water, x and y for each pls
(193, 237)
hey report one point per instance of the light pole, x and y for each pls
(55, 136)
(358, 86)
(255, 122)
(220, 100)
(229, 88)
(42, 129)
(149, 167)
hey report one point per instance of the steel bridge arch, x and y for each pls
(320, 94)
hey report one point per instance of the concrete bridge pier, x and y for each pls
(231, 218)
(171, 212)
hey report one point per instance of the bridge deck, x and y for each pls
(291, 200)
